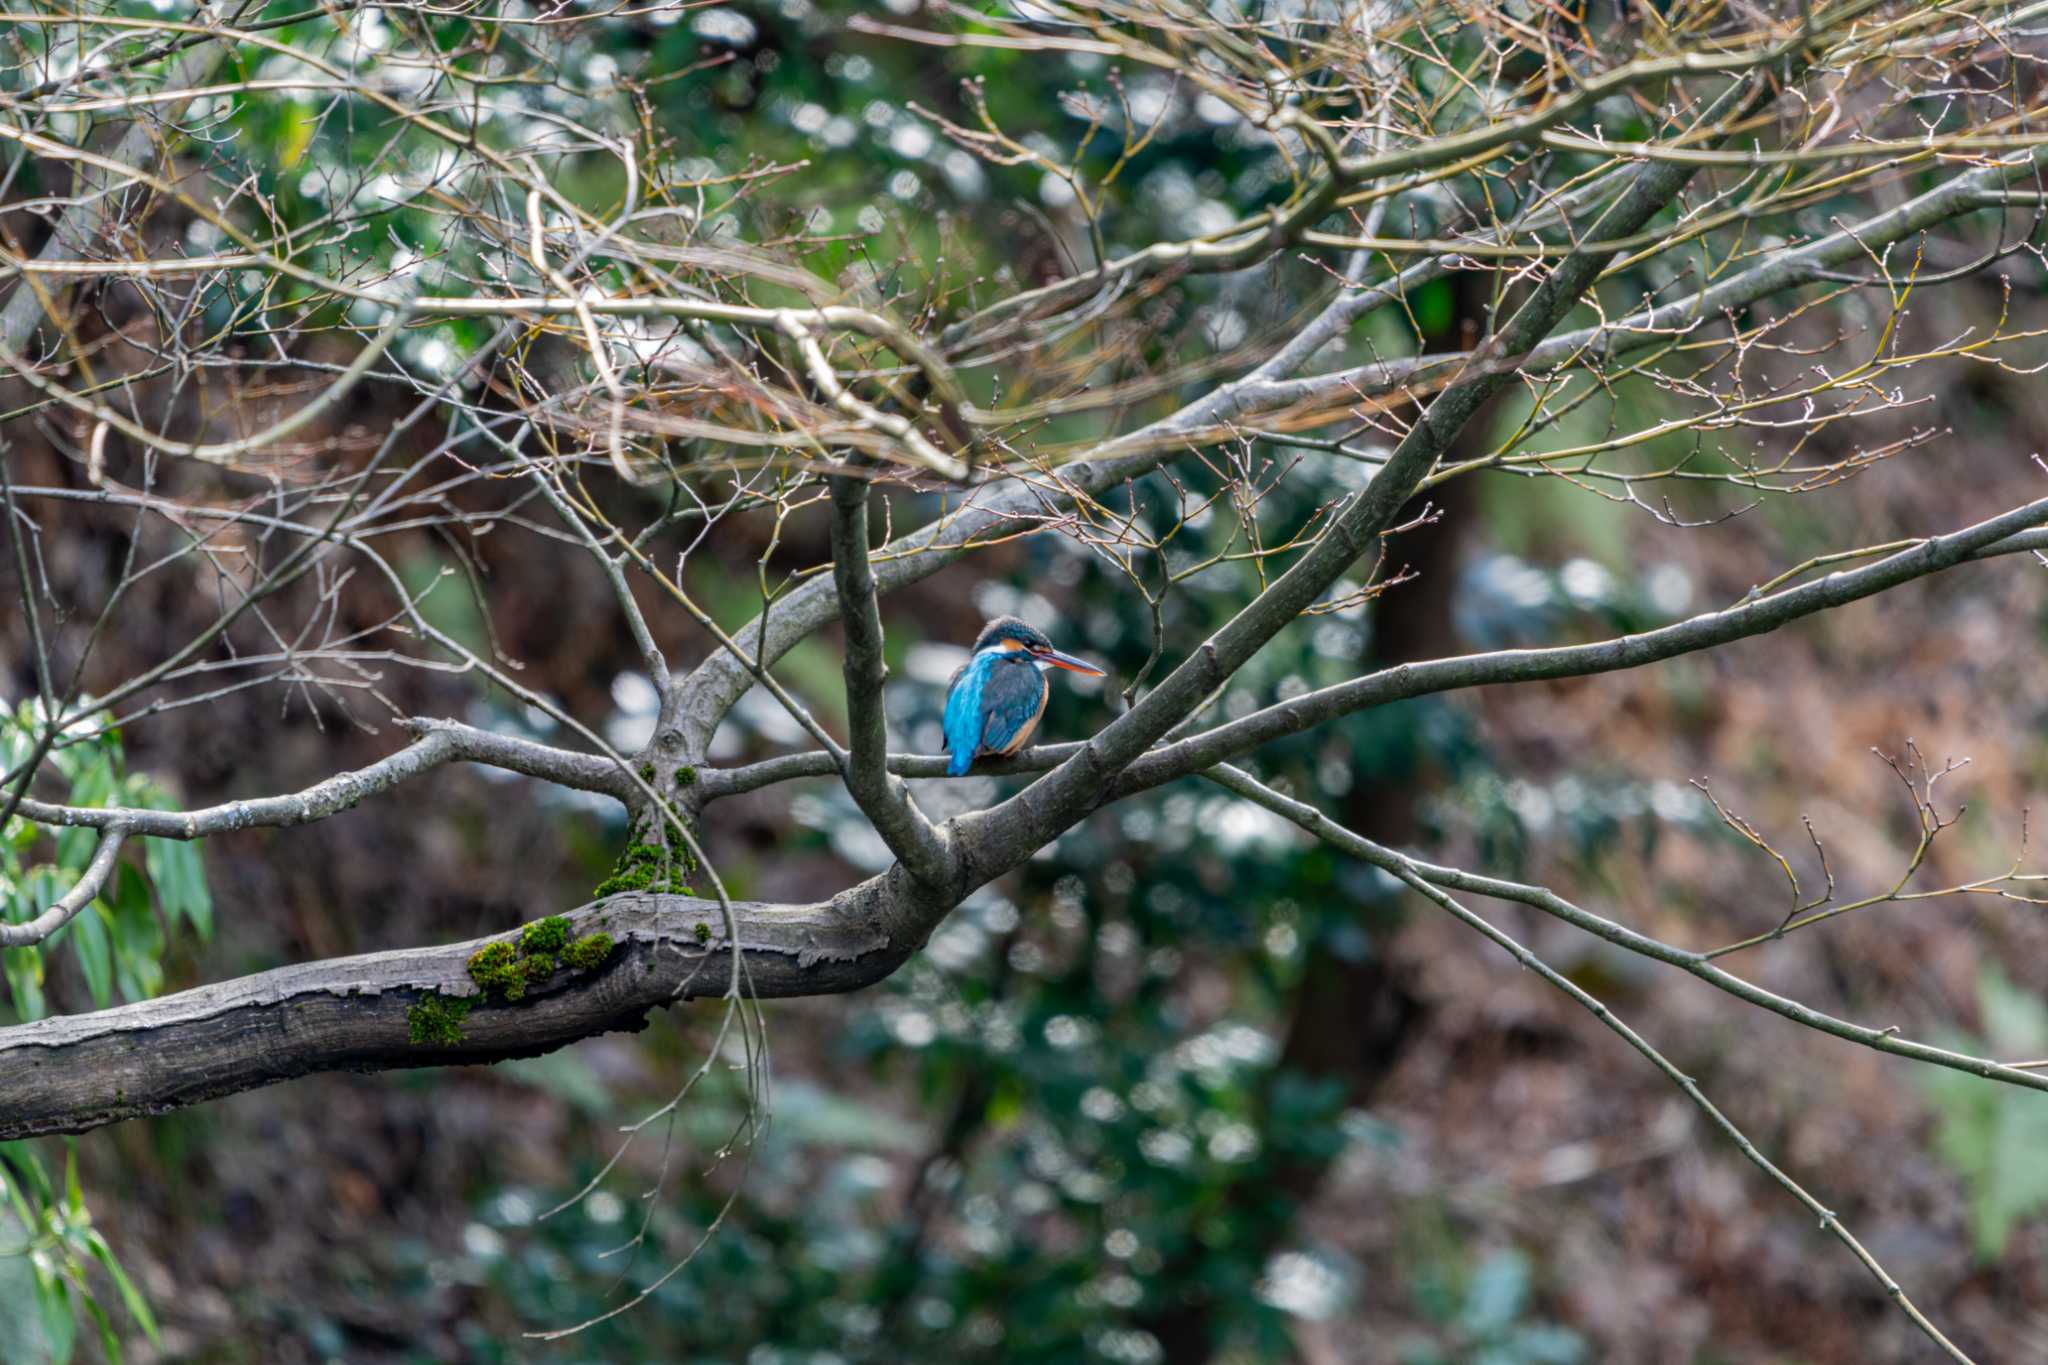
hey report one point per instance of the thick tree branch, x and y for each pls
(903, 827)
(78, 1072)
(73, 1073)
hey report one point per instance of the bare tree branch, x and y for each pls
(84, 222)
(1999, 534)
(441, 741)
(883, 800)
(1608, 340)
(76, 899)
(511, 305)
(1337, 836)
(710, 691)
(994, 841)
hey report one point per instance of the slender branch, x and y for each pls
(909, 835)
(896, 425)
(1758, 616)
(1357, 845)
(711, 690)
(441, 741)
(1885, 1040)
(326, 401)
(76, 899)
(608, 564)
(1255, 238)
(1612, 339)
(713, 783)
(1879, 1040)
(1998, 534)
(996, 840)
(84, 222)
(17, 787)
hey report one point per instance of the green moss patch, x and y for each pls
(437, 1020)
(548, 935)
(588, 953)
(650, 867)
(505, 970)
(501, 972)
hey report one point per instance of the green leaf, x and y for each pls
(23, 968)
(32, 1182)
(1993, 1135)
(56, 1225)
(131, 1297)
(53, 1304)
(138, 938)
(95, 953)
(91, 788)
(179, 875)
(109, 1343)
(21, 835)
(21, 1335)
(17, 737)
(1497, 1294)
(22, 1213)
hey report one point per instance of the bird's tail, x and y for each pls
(962, 760)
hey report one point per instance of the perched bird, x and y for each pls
(996, 698)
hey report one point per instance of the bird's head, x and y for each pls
(1010, 633)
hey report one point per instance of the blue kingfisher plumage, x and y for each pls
(996, 698)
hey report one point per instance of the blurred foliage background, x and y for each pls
(1187, 1089)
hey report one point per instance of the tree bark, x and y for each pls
(78, 1072)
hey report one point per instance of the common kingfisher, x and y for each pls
(996, 698)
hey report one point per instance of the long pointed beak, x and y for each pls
(1068, 662)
